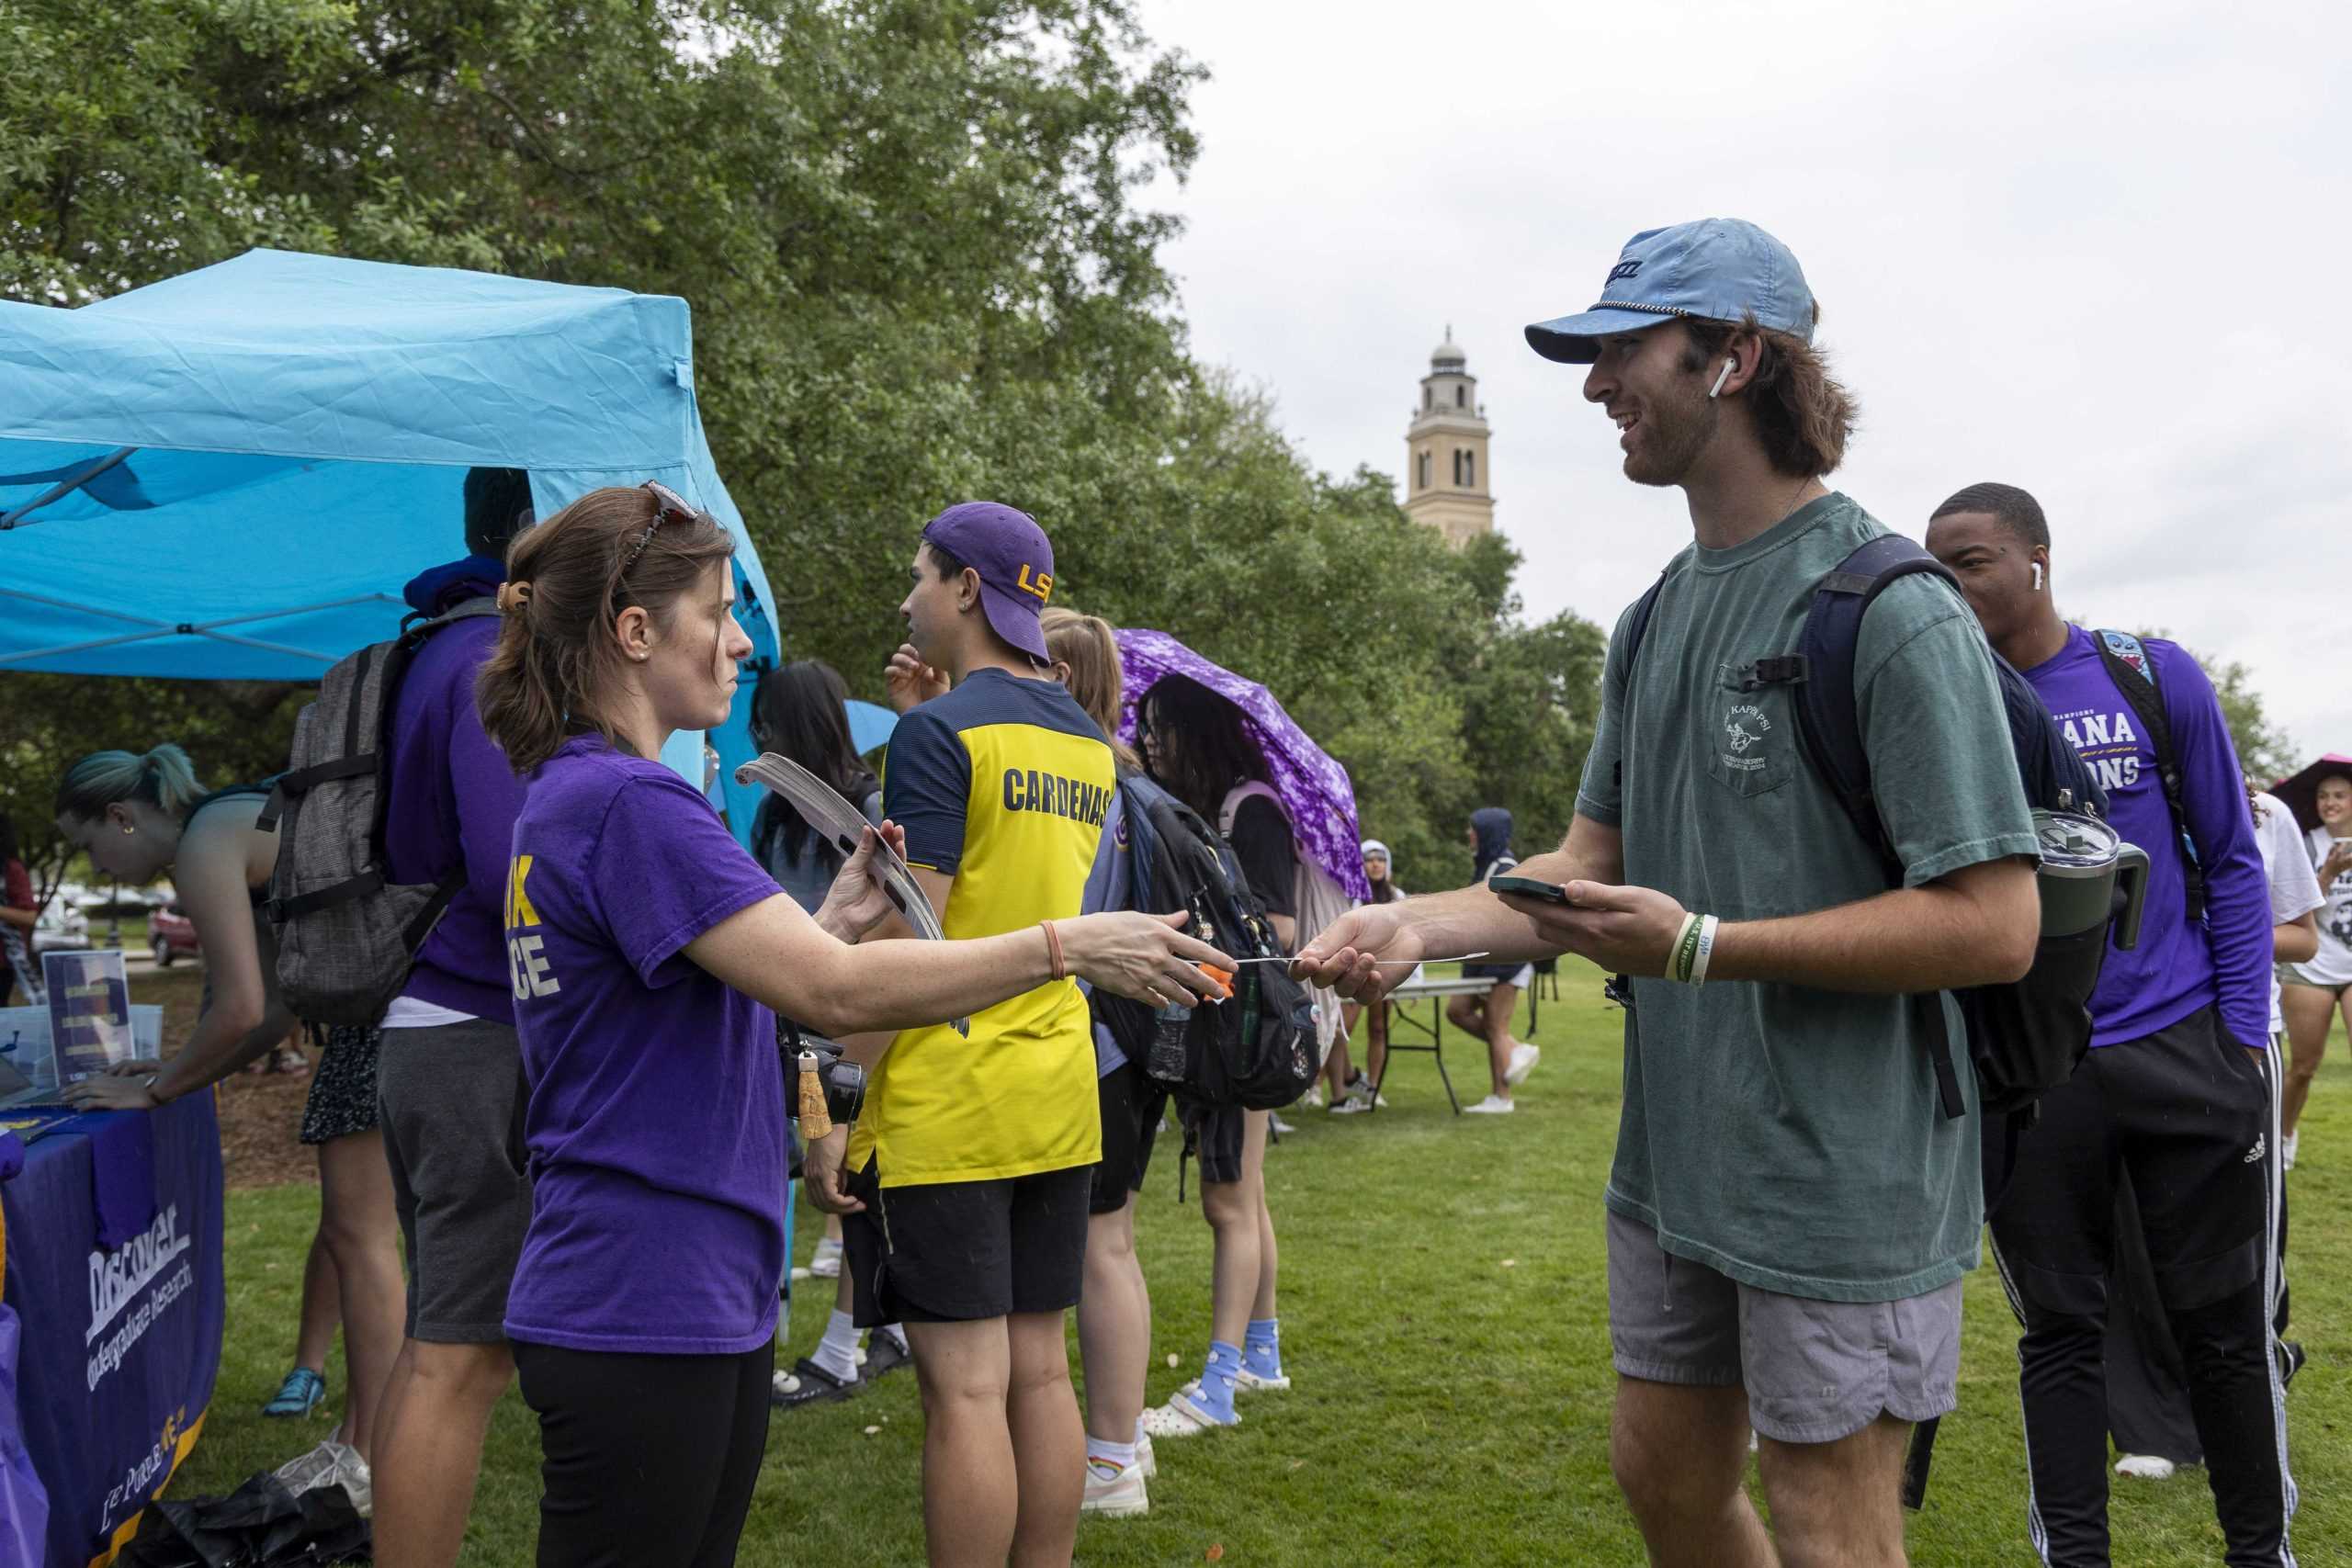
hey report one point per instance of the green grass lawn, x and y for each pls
(1444, 1316)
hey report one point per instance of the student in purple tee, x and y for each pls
(2180, 1090)
(645, 951)
(449, 1070)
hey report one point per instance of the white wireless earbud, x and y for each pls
(2036, 577)
(1721, 376)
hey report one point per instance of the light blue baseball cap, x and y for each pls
(1719, 269)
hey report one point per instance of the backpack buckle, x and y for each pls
(1781, 670)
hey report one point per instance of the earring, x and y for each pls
(127, 830)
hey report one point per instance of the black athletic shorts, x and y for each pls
(962, 1251)
(1212, 1134)
(1131, 1107)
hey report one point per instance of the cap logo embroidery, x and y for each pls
(1622, 270)
(1042, 585)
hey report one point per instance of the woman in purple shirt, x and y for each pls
(645, 950)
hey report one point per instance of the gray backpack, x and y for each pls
(347, 934)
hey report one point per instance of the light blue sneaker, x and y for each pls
(298, 1395)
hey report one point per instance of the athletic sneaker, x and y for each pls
(1359, 1091)
(358, 1482)
(809, 1383)
(302, 1472)
(1351, 1106)
(332, 1463)
(1121, 1497)
(298, 1395)
(1523, 1058)
(1313, 1097)
(1493, 1105)
(827, 1263)
(2148, 1467)
(1279, 1126)
(2287, 1149)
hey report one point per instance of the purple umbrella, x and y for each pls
(1315, 789)
(2299, 792)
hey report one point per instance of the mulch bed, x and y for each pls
(259, 1115)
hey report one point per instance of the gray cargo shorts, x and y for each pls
(452, 1098)
(1815, 1371)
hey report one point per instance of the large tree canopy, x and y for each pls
(922, 269)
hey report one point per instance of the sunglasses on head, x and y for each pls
(667, 505)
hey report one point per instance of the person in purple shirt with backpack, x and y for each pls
(647, 956)
(449, 1067)
(2181, 1088)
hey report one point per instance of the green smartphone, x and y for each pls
(1528, 888)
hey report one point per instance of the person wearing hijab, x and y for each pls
(1488, 1016)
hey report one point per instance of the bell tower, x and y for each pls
(1446, 483)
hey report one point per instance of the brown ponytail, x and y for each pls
(567, 578)
(1085, 643)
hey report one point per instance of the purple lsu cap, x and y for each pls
(1016, 562)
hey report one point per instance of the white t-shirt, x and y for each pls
(2333, 965)
(2294, 890)
(413, 1012)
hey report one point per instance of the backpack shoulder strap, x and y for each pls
(1829, 729)
(1235, 795)
(2133, 670)
(1637, 627)
(1822, 668)
(415, 629)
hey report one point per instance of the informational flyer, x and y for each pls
(89, 1011)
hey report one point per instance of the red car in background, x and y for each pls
(173, 936)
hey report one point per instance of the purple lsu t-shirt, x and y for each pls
(656, 1118)
(2179, 966)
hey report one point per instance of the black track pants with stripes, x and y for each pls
(2191, 1117)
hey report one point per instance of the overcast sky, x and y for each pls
(2100, 251)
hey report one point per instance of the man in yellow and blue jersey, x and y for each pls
(974, 1153)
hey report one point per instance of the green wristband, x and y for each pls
(1686, 949)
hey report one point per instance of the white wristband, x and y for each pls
(1707, 927)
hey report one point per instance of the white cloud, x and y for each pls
(2095, 250)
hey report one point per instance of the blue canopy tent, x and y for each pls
(231, 473)
(870, 725)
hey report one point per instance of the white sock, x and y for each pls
(1141, 1436)
(1109, 1460)
(836, 1351)
(897, 1333)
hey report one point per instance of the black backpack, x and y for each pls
(2025, 1037)
(1255, 1050)
(347, 934)
(2134, 674)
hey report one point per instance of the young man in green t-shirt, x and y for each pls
(1789, 1213)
